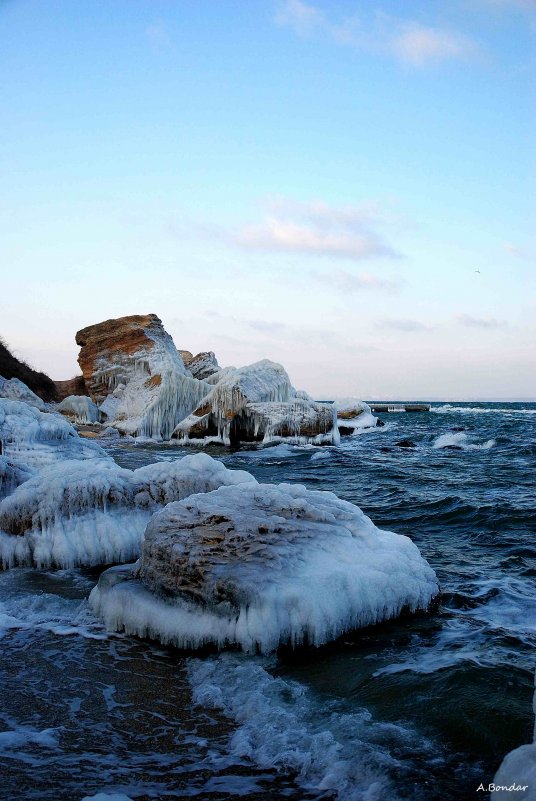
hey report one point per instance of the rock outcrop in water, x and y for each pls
(137, 377)
(135, 374)
(260, 566)
(354, 415)
(258, 403)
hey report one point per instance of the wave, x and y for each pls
(462, 441)
(282, 725)
(448, 408)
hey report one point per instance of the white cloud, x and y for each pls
(417, 45)
(480, 322)
(316, 228)
(346, 282)
(409, 41)
(301, 17)
(406, 326)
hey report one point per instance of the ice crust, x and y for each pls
(33, 440)
(14, 389)
(80, 409)
(95, 512)
(263, 565)
(258, 403)
(518, 768)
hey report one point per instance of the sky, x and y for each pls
(344, 187)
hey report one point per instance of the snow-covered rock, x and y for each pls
(354, 415)
(260, 566)
(11, 476)
(133, 359)
(13, 389)
(258, 403)
(32, 440)
(203, 365)
(79, 409)
(518, 770)
(95, 512)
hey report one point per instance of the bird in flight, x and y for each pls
(477, 271)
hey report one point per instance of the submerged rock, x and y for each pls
(258, 403)
(133, 370)
(261, 566)
(95, 512)
(405, 443)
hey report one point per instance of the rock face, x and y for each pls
(203, 365)
(257, 403)
(261, 566)
(73, 386)
(135, 374)
(94, 512)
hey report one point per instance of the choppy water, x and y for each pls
(418, 709)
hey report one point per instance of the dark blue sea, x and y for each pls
(423, 708)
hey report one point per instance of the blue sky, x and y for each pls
(312, 182)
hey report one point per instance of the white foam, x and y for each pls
(461, 440)
(282, 725)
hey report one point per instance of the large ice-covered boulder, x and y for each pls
(257, 403)
(354, 415)
(260, 566)
(95, 512)
(134, 372)
(32, 440)
(14, 389)
(516, 777)
(79, 409)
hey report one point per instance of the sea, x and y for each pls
(419, 709)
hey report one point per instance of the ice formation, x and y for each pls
(257, 403)
(79, 409)
(354, 415)
(95, 512)
(518, 770)
(263, 565)
(203, 365)
(32, 440)
(17, 390)
(134, 360)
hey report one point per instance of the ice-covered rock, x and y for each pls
(13, 389)
(32, 440)
(354, 415)
(11, 476)
(258, 403)
(133, 359)
(95, 512)
(79, 409)
(203, 365)
(260, 566)
(516, 777)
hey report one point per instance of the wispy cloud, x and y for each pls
(403, 325)
(409, 41)
(480, 322)
(301, 17)
(347, 283)
(319, 229)
(518, 251)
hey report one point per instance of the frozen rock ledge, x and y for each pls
(261, 566)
